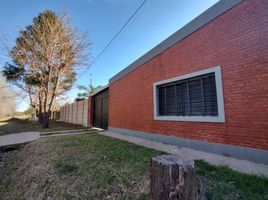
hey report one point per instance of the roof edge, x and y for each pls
(204, 18)
(99, 90)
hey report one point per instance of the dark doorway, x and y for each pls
(100, 109)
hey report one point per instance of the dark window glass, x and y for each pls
(171, 107)
(190, 97)
(161, 100)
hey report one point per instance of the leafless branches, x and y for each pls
(48, 51)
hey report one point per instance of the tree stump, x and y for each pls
(173, 178)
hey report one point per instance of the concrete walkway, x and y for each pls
(24, 137)
(218, 160)
(235, 164)
(64, 133)
(18, 138)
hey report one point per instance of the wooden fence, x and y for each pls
(75, 113)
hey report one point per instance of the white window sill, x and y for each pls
(191, 118)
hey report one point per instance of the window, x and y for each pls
(192, 97)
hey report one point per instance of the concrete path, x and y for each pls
(24, 137)
(64, 133)
(218, 160)
(18, 138)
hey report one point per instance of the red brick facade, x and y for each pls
(238, 42)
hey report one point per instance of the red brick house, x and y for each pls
(204, 87)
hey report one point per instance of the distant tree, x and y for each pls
(87, 91)
(30, 87)
(44, 58)
(7, 98)
(29, 111)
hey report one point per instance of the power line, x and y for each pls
(111, 41)
(120, 30)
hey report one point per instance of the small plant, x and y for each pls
(7, 182)
(46, 185)
(65, 167)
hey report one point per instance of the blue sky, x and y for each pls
(157, 20)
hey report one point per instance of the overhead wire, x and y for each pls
(120, 30)
(116, 35)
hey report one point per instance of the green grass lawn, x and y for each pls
(24, 123)
(91, 166)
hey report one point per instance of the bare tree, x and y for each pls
(45, 56)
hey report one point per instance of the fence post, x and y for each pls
(64, 117)
(72, 113)
(173, 178)
(83, 113)
(76, 111)
(65, 111)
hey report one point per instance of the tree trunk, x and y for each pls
(40, 117)
(46, 112)
(40, 113)
(45, 119)
(173, 178)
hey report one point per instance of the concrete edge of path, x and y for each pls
(18, 138)
(64, 131)
(26, 137)
(243, 166)
(64, 134)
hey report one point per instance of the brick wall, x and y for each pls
(238, 42)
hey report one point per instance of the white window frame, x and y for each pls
(219, 90)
